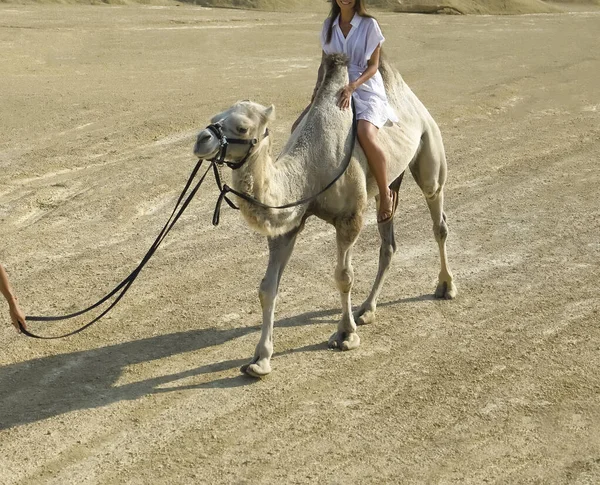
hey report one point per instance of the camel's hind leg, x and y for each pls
(346, 338)
(280, 250)
(429, 171)
(366, 312)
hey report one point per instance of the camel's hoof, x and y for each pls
(446, 291)
(344, 341)
(257, 368)
(364, 317)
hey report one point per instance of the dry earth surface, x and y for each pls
(100, 106)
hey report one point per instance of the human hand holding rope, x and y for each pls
(17, 316)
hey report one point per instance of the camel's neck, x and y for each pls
(308, 162)
(274, 183)
(265, 179)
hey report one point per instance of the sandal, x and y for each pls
(392, 212)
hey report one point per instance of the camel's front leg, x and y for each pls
(366, 313)
(346, 337)
(280, 250)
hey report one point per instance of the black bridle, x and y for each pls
(224, 142)
(219, 159)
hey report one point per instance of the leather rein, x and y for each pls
(182, 203)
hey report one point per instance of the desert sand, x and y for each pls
(100, 106)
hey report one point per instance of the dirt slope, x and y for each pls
(416, 6)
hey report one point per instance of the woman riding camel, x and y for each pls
(351, 31)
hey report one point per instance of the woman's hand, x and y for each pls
(346, 95)
(17, 316)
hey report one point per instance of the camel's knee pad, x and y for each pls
(344, 279)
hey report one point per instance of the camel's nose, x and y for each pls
(203, 137)
(204, 144)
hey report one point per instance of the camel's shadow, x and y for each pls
(38, 389)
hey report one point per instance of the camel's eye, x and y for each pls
(242, 130)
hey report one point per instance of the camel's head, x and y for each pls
(244, 126)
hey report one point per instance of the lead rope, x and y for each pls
(224, 189)
(124, 286)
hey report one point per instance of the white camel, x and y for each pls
(311, 159)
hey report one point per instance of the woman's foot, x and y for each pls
(387, 207)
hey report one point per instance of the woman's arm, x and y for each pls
(5, 287)
(16, 315)
(372, 66)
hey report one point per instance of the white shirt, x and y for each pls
(364, 37)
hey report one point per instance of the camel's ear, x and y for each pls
(269, 113)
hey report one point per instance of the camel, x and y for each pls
(311, 159)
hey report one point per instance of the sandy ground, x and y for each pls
(99, 110)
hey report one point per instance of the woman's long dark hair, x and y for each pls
(359, 8)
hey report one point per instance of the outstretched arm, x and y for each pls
(320, 75)
(16, 315)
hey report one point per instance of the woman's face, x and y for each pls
(346, 5)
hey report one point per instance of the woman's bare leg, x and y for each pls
(367, 137)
